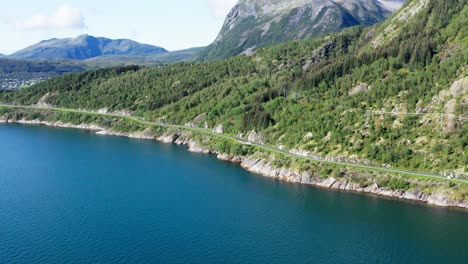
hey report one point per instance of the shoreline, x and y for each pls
(263, 167)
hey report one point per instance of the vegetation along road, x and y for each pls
(242, 141)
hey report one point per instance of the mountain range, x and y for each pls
(252, 24)
(54, 57)
(85, 47)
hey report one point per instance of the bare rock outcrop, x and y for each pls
(197, 121)
(459, 87)
(360, 88)
(43, 101)
(219, 129)
(256, 137)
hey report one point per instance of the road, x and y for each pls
(245, 142)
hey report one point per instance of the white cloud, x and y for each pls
(65, 17)
(221, 7)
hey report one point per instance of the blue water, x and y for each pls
(68, 196)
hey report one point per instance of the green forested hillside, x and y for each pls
(394, 94)
(145, 59)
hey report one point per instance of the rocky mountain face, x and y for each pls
(84, 47)
(252, 24)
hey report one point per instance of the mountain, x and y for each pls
(393, 95)
(2, 55)
(84, 47)
(17, 73)
(252, 24)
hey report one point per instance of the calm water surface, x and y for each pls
(68, 196)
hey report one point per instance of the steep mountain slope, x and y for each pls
(253, 24)
(84, 47)
(398, 99)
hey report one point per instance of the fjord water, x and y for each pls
(68, 196)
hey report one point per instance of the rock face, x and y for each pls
(43, 101)
(252, 24)
(360, 88)
(266, 168)
(84, 47)
(253, 136)
(219, 129)
(459, 87)
(52, 124)
(197, 121)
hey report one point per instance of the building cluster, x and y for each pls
(14, 84)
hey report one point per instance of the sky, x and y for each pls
(171, 24)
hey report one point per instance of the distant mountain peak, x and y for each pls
(253, 24)
(85, 47)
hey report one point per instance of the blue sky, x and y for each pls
(173, 24)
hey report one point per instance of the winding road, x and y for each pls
(245, 142)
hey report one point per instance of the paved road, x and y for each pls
(242, 141)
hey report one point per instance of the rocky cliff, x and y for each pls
(252, 24)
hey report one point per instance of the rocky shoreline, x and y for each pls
(262, 166)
